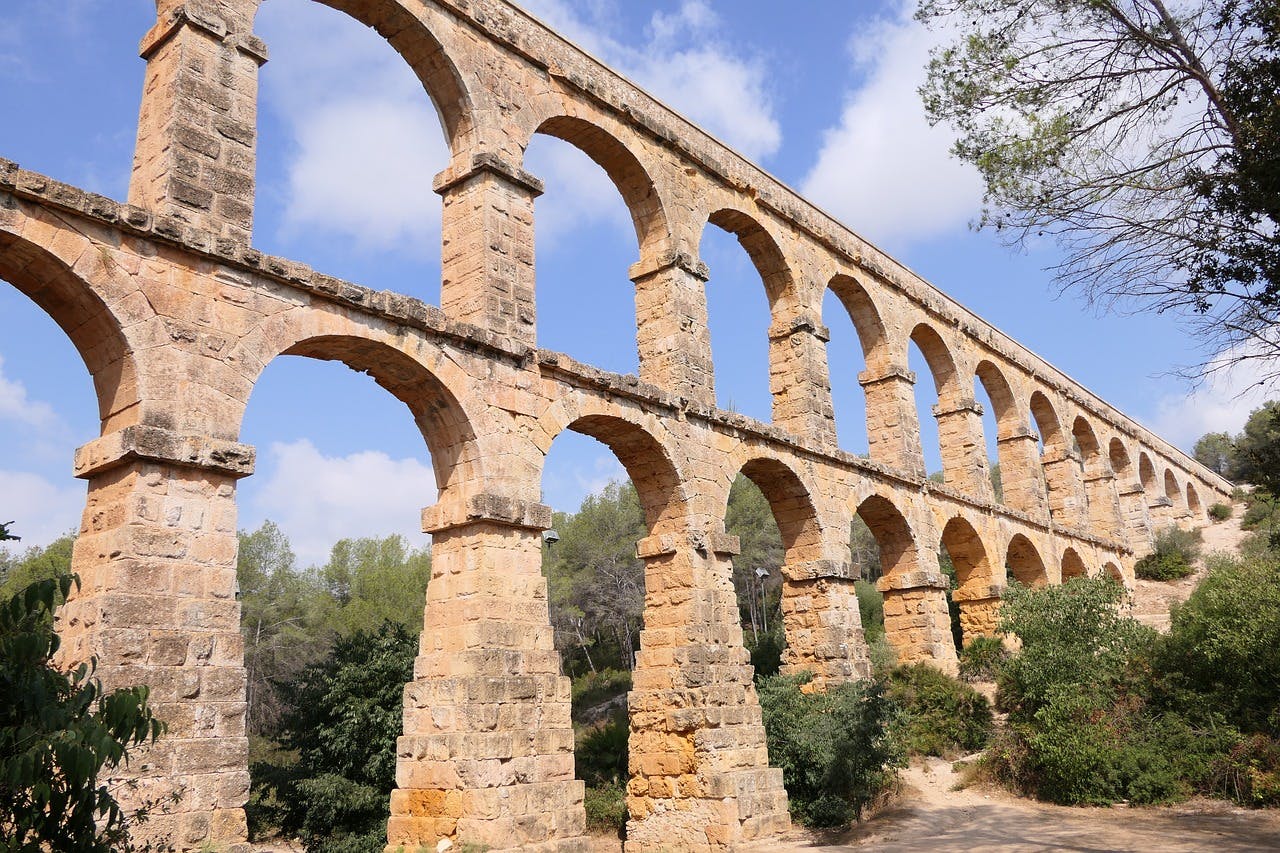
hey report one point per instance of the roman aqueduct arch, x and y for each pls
(176, 315)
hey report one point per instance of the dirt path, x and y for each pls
(931, 817)
(1152, 599)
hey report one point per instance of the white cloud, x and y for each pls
(40, 511)
(17, 407)
(366, 139)
(683, 62)
(883, 170)
(318, 499)
(1221, 403)
(578, 191)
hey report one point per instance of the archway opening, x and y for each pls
(741, 256)
(998, 420)
(973, 599)
(598, 216)
(350, 139)
(857, 344)
(891, 552)
(1023, 563)
(1072, 565)
(1193, 503)
(927, 356)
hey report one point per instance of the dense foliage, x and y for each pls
(1141, 135)
(1173, 552)
(58, 732)
(345, 715)
(1102, 709)
(835, 748)
(940, 715)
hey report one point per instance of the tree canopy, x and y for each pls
(1141, 136)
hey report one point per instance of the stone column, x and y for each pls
(700, 775)
(979, 610)
(822, 623)
(486, 757)
(799, 380)
(1137, 522)
(893, 433)
(1104, 506)
(1066, 490)
(916, 620)
(964, 454)
(157, 606)
(671, 327)
(1021, 475)
(1161, 512)
(487, 254)
(195, 157)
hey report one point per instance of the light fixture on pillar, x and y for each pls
(550, 537)
(761, 574)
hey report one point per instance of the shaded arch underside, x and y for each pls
(646, 462)
(791, 505)
(1001, 396)
(968, 554)
(941, 363)
(86, 320)
(865, 316)
(892, 534)
(1046, 420)
(1072, 565)
(763, 250)
(1024, 563)
(625, 171)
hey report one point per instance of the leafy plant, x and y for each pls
(1174, 551)
(941, 716)
(58, 732)
(835, 748)
(981, 658)
(1220, 511)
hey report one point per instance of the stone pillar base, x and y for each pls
(916, 620)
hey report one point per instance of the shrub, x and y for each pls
(1261, 511)
(834, 748)
(347, 714)
(58, 732)
(870, 608)
(1220, 511)
(766, 651)
(941, 716)
(1223, 645)
(592, 688)
(1175, 550)
(606, 807)
(600, 754)
(981, 658)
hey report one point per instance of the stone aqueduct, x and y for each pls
(175, 316)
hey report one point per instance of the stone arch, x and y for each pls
(628, 174)
(1171, 489)
(977, 593)
(1008, 418)
(898, 551)
(411, 36)
(1193, 501)
(1147, 475)
(791, 503)
(1072, 565)
(866, 318)
(1023, 562)
(764, 251)
(1046, 420)
(1118, 456)
(1112, 570)
(74, 304)
(1087, 440)
(637, 446)
(941, 363)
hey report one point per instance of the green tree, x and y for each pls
(1258, 448)
(1138, 134)
(595, 580)
(58, 732)
(750, 518)
(1217, 452)
(345, 718)
(376, 580)
(37, 563)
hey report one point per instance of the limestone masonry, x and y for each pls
(176, 316)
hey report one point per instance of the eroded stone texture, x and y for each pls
(176, 317)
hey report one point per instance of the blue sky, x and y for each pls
(820, 93)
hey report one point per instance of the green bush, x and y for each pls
(870, 608)
(347, 714)
(941, 716)
(58, 732)
(1223, 645)
(1261, 512)
(766, 651)
(606, 807)
(1174, 552)
(981, 658)
(835, 748)
(600, 754)
(1220, 511)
